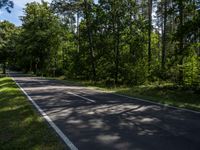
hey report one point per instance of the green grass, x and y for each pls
(166, 93)
(21, 127)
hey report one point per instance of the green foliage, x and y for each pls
(40, 39)
(7, 43)
(109, 41)
(6, 32)
(191, 69)
(7, 4)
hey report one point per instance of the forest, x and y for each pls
(100, 75)
(116, 42)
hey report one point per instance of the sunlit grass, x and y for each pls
(21, 127)
(165, 93)
(173, 97)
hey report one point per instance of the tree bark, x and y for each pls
(90, 40)
(180, 5)
(164, 36)
(78, 33)
(4, 67)
(149, 32)
(117, 58)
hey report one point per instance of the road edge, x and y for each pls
(156, 103)
(131, 97)
(65, 139)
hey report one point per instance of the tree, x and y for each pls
(40, 38)
(79, 7)
(6, 32)
(149, 31)
(164, 42)
(88, 19)
(114, 42)
(8, 4)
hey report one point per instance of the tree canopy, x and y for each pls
(7, 4)
(116, 42)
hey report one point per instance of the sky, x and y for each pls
(16, 12)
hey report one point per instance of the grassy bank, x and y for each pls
(165, 93)
(21, 127)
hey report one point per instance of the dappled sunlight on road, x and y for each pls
(109, 121)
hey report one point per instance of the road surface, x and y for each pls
(95, 120)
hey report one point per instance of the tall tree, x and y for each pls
(164, 42)
(181, 38)
(41, 34)
(88, 18)
(112, 41)
(149, 31)
(6, 31)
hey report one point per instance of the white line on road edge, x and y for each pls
(82, 97)
(51, 123)
(156, 103)
(134, 98)
(193, 111)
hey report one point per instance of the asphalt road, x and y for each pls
(94, 120)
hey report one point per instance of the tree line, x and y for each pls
(113, 41)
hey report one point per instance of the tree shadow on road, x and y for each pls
(20, 125)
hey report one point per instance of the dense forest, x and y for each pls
(116, 42)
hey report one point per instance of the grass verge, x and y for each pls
(167, 94)
(21, 127)
(164, 95)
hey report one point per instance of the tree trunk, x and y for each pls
(78, 33)
(36, 68)
(117, 58)
(181, 42)
(4, 67)
(164, 36)
(90, 40)
(131, 51)
(149, 32)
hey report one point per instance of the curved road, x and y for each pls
(94, 120)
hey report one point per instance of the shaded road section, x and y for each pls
(94, 120)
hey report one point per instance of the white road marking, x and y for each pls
(47, 118)
(144, 100)
(90, 100)
(193, 111)
(134, 98)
